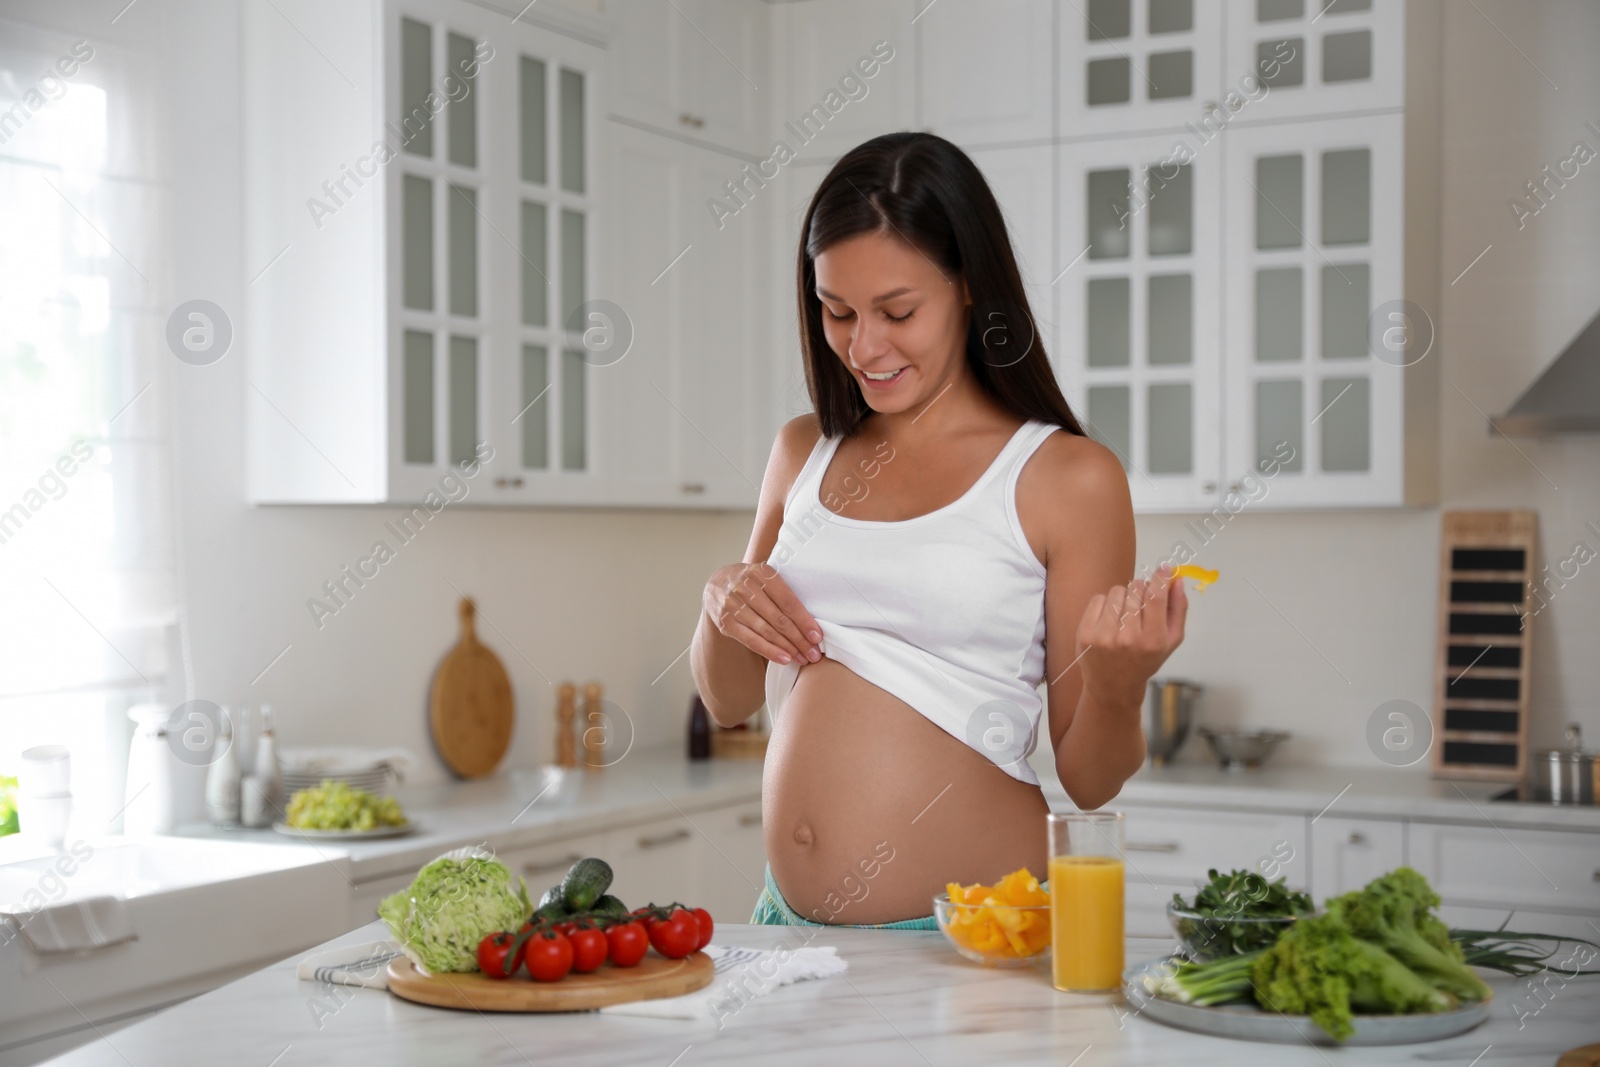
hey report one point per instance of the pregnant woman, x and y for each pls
(928, 551)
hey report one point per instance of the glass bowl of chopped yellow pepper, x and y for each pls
(1003, 925)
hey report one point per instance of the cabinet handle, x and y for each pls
(1208, 487)
(1357, 837)
(753, 818)
(692, 121)
(512, 483)
(694, 488)
(549, 865)
(1597, 874)
(1235, 487)
(1161, 846)
(663, 839)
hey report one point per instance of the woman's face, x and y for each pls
(897, 323)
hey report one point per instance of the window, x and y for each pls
(86, 538)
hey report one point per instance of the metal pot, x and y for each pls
(1563, 775)
(1168, 710)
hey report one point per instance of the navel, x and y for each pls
(803, 835)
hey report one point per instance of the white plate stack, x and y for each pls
(367, 769)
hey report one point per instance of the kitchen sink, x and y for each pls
(135, 867)
(200, 913)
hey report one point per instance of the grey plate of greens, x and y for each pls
(350, 834)
(1249, 1022)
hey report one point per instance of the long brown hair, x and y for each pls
(921, 189)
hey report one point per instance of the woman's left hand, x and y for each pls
(1127, 633)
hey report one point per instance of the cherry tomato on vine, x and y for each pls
(703, 917)
(675, 936)
(499, 955)
(548, 957)
(567, 927)
(589, 949)
(628, 943)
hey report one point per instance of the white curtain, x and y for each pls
(88, 601)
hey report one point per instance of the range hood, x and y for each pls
(1566, 397)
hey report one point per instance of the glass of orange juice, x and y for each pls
(1086, 880)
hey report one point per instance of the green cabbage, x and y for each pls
(455, 902)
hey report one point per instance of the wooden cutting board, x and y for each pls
(471, 712)
(654, 977)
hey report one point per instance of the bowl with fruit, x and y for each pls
(1002, 925)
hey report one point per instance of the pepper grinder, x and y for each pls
(566, 750)
(223, 778)
(594, 732)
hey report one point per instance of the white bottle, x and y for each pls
(152, 775)
(222, 780)
(269, 775)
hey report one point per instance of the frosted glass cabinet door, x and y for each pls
(489, 254)
(1317, 56)
(1305, 393)
(1137, 321)
(1136, 65)
(986, 72)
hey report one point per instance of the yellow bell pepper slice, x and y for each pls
(1200, 574)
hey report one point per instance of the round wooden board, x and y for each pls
(471, 711)
(655, 976)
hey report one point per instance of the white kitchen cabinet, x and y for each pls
(695, 408)
(654, 862)
(1130, 66)
(1332, 56)
(698, 67)
(1021, 179)
(422, 252)
(1170, 849)
(826, 102)
(1346, 854)
(987, 72)
(1487, 866)
(1317, 246)
(733, 861)
(1139, 354)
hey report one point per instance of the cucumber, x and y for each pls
(552, 905)
(609, 905)
(585, 883)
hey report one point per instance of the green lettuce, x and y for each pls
(455, 902)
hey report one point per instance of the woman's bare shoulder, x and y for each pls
(1069, 461)
(1072, 486)
(796, 438)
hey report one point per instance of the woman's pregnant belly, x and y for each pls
(870, 809)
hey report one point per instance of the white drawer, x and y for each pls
(1346, 854)
(543, 866)
(1175, 847)
(1145, 909)
(1510, 867)
(733, 861)
(1527, 922)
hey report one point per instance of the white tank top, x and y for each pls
(944, 610)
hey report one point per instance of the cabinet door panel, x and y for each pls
(1315, 252)
(723, 70)
(1138, 65)
(986, 70)
(823, 42)
(1020, 179)
(1137, 349)
(733, 861)
(1346, 854)
(1314, 57)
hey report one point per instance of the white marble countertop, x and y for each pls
(906, 999)
(1367, 792)
(502, 812)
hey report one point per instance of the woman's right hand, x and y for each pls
(752, 604)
